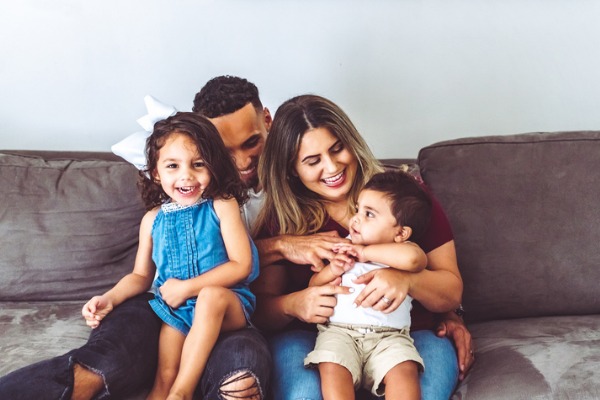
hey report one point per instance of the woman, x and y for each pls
(313, 166)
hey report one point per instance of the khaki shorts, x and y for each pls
(368, 352)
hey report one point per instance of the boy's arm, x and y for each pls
(405, 256)
(323, 277)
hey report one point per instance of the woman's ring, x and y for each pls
(386, 300)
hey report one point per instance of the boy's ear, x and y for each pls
(403, 234)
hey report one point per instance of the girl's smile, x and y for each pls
(180, 170)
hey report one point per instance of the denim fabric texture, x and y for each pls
(187, 242)
(292, 381)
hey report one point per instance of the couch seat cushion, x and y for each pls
(535, 358)
(37, 331)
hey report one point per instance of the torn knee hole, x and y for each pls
(241, 385)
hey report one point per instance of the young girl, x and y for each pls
(194, 239)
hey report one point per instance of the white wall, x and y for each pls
(73, 72)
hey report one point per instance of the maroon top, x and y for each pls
(438, 233)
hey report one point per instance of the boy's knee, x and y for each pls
(241, 385)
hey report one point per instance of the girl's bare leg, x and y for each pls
(402, 382)
(170, 344)
(336, 382)
(217, 309)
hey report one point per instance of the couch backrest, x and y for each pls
(68, 224)
(525, 210)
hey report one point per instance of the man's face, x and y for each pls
(244, 132)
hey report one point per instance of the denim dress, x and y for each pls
(187, 242)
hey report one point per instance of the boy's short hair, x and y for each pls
(411, 205)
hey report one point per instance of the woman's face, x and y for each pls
(325, 166)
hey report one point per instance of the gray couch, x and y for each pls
(525, 211)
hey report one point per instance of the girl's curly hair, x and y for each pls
(225, 179)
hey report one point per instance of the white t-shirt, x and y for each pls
(345, 312)
(251, 208)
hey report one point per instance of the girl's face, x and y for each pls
(374, 222)
(180, 170)
(325, 166)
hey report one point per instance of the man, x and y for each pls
(120, 357)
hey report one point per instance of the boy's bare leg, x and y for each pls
(336, 382)
(170, 344)
(217, 309)
(402, 382)
(86, 384)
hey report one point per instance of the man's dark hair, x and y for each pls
(411, 205)
(224, 95)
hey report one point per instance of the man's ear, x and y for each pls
(402, 234)
(268, 118)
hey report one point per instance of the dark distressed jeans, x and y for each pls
(124, 348)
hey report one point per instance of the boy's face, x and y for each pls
(244, 132)
(373, 222)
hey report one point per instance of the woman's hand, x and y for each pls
(315, 304)
(385, 289)
(311, 249)
(95, 310)
(453, 327)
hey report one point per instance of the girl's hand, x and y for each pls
(174, 292)
(315, 304)
(95, 310)
(386, 289)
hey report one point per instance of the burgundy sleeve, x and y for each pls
(439, 231)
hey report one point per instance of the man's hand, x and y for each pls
(454, 328)
(315, 304)
(95, 310)
(174, 292)
(311, 249)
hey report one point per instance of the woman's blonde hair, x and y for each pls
(289, 207)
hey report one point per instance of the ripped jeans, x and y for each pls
(123, 349)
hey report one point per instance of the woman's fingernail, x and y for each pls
(351, 290)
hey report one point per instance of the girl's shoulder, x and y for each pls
(225, 206)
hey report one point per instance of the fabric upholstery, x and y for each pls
(69, 226)
(524, 210)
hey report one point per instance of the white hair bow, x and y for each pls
(132, 148)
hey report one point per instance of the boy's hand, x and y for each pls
(353, 250)
(95, 310)
(341, 263)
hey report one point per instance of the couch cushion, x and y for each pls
(535, 358)
(525, 211)
(38, 331)
(69, 225)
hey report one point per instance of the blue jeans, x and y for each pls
(291, 381)
(123, 349)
